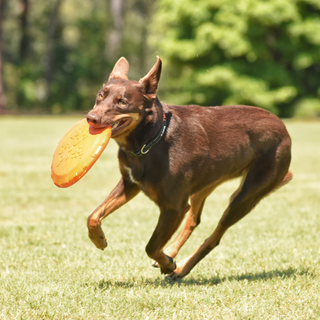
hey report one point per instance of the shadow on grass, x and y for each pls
(250, 277)
(189, 281)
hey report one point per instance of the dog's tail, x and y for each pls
(287, 178)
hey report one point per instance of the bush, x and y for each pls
(263, 53)
(308, 108)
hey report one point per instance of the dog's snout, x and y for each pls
(93, 119)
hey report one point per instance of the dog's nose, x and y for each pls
(93, 119)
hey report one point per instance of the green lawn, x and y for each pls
(266, 267)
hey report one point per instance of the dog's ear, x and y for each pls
(120, 70)
(151, 80)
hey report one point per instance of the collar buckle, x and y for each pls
(146, 147)
(142, 150)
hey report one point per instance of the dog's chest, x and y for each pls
(131, 175)
(146, 186)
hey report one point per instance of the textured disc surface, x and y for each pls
(77, 152)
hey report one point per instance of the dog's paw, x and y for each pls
(99, 242)
(155, 264)
(167, 270)
(171, 279)
(179, 272)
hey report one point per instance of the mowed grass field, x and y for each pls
(266, 267)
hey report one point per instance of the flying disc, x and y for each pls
(77, 152)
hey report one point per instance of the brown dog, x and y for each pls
(177, 153)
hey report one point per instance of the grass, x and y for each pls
(266, 267)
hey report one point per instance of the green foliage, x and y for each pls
(308, 108)
(263, 53)
(78, 45)
(79, 62)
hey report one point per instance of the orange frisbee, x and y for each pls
(77, 152)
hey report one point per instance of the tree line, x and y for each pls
(56, 54)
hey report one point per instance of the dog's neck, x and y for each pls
(148, 129)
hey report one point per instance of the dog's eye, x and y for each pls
(100, 96)
(122, 103)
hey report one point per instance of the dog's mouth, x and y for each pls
(120, 124)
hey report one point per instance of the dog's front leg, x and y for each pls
(168, 223)
(121, 194)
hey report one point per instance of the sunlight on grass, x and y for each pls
(266, 267)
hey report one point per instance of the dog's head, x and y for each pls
(123, 103)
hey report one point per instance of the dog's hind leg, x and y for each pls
(169, 221)
(263, 177)
(192, 221)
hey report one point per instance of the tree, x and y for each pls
(129, 34)
(115, 37)
(51, 44)
(263, 53)
(2, 94)
(57, 54)
(24, 40)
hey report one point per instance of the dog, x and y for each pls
(180, 154)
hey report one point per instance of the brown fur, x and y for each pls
(201, 148)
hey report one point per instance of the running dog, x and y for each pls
(180, 154)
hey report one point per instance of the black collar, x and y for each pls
(146, 147)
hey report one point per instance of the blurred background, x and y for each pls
(56, 54)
